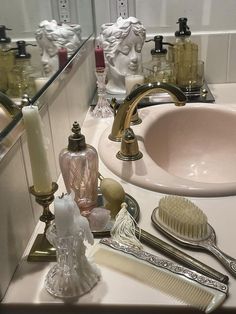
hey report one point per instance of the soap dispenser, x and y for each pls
(185, 55)
(6, 58)
(21, 78)
(79, 168)
(159, 69)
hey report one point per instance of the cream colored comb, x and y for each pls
(183, 284)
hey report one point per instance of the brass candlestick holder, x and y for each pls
(42, 250)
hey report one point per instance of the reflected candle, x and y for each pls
(132, 80)
(62, 57)
(38, 157)
(99, 58)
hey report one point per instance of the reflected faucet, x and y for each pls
(124, 113)
(9, 105)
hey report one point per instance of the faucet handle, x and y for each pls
(115, 105)
(129, 147)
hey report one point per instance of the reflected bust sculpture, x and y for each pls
(122, 42)
(50, 37)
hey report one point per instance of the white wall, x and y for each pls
(212, 22)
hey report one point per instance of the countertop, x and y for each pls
(117, 292)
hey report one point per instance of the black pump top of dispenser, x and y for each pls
(76, 141)
(21, 52)
(3, 37)
(183, 28)
(158, 49)
(158, 40)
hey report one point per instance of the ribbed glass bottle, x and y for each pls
(79, 168)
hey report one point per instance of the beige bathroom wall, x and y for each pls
(18, 209)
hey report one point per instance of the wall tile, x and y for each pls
(81, 89)
(213, 50)
(17, 222)
(60, 126)
(231, 73)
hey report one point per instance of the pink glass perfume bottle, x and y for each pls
(79, 167)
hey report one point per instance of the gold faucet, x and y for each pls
(124, 113)
(9, 105)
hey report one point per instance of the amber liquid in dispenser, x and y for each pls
(6, 58)
(79, 167)
(185, 54)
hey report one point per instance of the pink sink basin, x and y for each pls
(188, 150)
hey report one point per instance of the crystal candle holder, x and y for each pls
(102, 108)
(73, 275)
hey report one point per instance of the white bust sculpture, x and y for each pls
(50, 37)
(122, 42)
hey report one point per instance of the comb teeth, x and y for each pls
(183, 217)
(179, 289)
(181, 283)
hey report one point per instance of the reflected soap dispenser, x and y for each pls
(159, 69)
(79, 168)
(21, 77)
(185, 55)
(6, 58)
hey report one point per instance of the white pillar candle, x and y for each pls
(64, 218)
(38, 156)
(132, 80)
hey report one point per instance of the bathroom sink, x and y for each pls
(188, 150)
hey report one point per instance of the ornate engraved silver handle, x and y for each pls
(228, 261)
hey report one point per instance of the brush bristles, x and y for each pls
(182, 217)
(180, 288)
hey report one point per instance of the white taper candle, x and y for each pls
(38, 156)
(64, 219)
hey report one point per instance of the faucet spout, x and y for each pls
(123, 116)
(8, 104)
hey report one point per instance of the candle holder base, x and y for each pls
(102, 108)
(42, 250)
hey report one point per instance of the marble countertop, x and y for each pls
(117, 292)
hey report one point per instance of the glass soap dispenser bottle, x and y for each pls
(6, 58)
(185, 55)
(22, 76)
(159, 69)
(79, 168)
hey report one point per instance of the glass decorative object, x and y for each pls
(79, 167)
(73, 275)
(102, 108)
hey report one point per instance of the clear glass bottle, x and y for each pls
(21, 78)
(185, 54)
(6, 58)
(79, 167)
(159, 69)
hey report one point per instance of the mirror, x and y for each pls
(23, 18)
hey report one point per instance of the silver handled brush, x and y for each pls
(185, 223)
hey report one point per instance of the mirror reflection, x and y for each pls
(38, 40)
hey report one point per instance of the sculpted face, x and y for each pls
(49, 55)
(128, 55)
